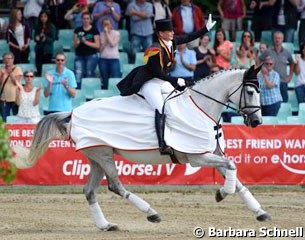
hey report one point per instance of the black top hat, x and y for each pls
(164, 25)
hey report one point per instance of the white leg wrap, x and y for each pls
(98, 216)
(230, 181)
(249, 200)
(137, 202)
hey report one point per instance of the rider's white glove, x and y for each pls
(181, 82)
(210, 24)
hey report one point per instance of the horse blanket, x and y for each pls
(128, 123)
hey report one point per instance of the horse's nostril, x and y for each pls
(255, 122)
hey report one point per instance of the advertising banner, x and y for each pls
(264, 155)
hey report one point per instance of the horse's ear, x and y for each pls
(250, 73)
(258, 68)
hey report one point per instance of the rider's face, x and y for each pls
(166, 35)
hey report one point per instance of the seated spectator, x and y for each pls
(31, 11)
(261, 49)
(28, 100)
(109, 9)
(87, 44)
(18, 37)
(269, 81)
(247, 40)
(45, 35)
(299, 70)
(60, 86)
(223, 49)
(185, 63)
(9, 75)
(74, 15)
(141, 28)
(109, 63)
(204, 58)
(243, 59)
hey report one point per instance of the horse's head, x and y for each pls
(249, 99)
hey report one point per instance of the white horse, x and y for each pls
(237, 86)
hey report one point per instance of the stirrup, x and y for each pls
(166, 150)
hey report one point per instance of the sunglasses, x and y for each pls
(60, 60)
(269, 64)
(29, 76)
(247, 36)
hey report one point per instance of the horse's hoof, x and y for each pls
(111, 227)
(218, 196)
(263, 217)
(154, 218)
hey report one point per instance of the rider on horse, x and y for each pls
(159, 60)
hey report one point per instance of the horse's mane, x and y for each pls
(214, 75)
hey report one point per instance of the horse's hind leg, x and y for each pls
(114, 184)
(96, 175)
(246, 196)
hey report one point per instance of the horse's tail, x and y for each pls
(50, 127)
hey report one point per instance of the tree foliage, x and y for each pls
(7, 170)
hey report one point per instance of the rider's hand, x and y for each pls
(181, 82)
(210, 24)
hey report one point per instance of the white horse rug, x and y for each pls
(128, 123)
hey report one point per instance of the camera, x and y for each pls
(112, 9)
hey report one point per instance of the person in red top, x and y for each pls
(188, 18)
(232, 13)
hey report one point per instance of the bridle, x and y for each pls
(240, 110)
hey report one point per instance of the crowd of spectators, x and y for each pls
(97, 42)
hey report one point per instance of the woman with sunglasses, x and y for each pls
(269, 81)
(247, 40)
(28, 100)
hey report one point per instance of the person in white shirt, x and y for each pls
(31, 11)
(299, 70)
(28, 100)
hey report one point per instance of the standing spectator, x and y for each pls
(301, 9)
(243, 59)
(60, 86)
(31, 11)
(45, 35)
(28, 100)
(262, 17)
(232, 13)
(281, 56)
(58, 9)
(204, 58)
(269, 81)
(286, 18)
(9, 75)
(74, 15)
(109, 9)
(109, 63)
(299, 70)
(223, 49)
(161, 10)
(87, 44)
(188, 18)
(141, 28)
(18, 37)
(185, 63)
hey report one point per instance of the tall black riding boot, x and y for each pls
(160, 126)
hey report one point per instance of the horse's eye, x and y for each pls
(250, 92)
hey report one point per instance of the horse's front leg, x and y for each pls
(246, 196)
(96, 175)
(213, 160)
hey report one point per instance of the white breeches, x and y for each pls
(153, 91)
